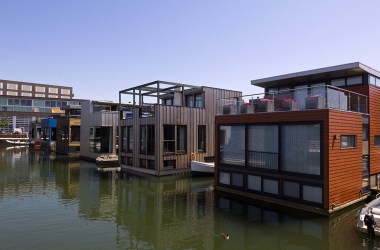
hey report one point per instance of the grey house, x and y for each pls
(167, 126)
(98, 128)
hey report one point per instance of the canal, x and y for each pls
(52, 202)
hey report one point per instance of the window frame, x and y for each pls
(348, 146)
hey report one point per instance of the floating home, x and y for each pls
(99, 131)
(68, 131)
(310, 141)
(168, 125)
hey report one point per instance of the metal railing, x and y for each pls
(319, 97)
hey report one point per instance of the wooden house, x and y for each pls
(168, 125)
(311, 141)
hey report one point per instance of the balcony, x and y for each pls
(320, 97)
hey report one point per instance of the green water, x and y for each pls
(51, 202)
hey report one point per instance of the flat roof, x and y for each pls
(315, 75)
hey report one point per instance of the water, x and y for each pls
(51, 202)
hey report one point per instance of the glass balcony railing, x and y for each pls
(319, 97)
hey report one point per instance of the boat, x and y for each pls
(106, 160)
(18, 142)
(375, 207)
(199, 168)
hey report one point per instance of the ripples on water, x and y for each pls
(52, 202)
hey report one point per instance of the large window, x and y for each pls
(202, 138)
(195, 101)
(348, 141)
(169, 138)
(232, 145)
(300, 149)
(147, 140)
(130, 139)
(181, 138)
(100, 139)
(263, 146)
(123, 139)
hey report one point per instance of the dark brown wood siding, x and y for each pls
(345, 165)
(374, 128)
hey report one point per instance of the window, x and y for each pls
(168, 102)
(237, 179)
(232, 145)
(190, 101)
(65, 91)
(354, 80)
(202, 138)
(26, 94)
(181, 138)
(100, 138)
(372, 80)
(270, 186)
(195, 101)
(198, 101)
(224, 178)
(124, 139)
(14, 93)
(348, 141)
(300, 148)
(40, 89)
(377, 140)
(40, 95)
(263, 146)
(291, 189)
(26, 87)
(313, 194)
(254, 182)
(1, 85)
(53, 96)
(147, 140)
(53, 90)
(338, 82)
(169, 138)
(130, 139)
(12, 86)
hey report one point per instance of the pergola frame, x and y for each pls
(156, 89)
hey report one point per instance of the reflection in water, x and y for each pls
(43, 194)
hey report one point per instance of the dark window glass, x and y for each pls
(377, 140)
(202, 138)
(348, 141)
(181, 138)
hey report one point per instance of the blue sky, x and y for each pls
(101, 47)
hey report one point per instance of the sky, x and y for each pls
(102, 47)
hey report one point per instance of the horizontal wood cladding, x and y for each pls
(374, 126)
(344, 173)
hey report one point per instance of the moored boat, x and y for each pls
(17, 142)
(375, 207)
(106, 160)
(199, 168)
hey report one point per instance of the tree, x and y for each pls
(4, 121)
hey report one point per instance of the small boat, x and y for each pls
(107, 160)
(375, 207)
(199, 168)
(18, 142)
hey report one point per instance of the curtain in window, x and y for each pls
(300, 149)
(232, 145)
(263, 147)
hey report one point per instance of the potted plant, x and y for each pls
(246, 108)
(265, 105)
(290, 104)
(227, 109)
(314, 101)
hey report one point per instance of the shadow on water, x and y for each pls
(143, 212)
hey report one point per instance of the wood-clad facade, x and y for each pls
(162, 138)
(98, 132)
(318, 159)
(68, 131)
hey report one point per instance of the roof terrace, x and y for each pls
(307, 98)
